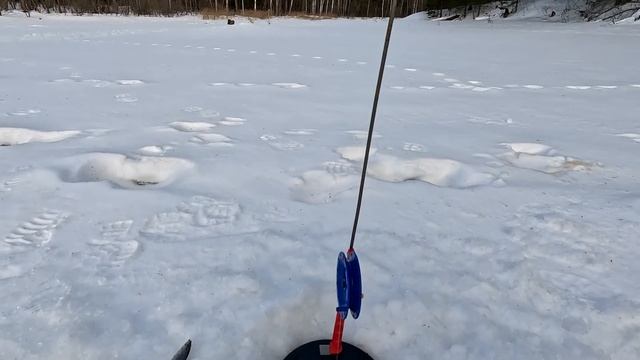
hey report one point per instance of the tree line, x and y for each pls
(328, 8)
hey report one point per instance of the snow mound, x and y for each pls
(192, 126)
(210, 139)
(530, 148)
(127, 172)
(232, 121)
(439, 172)
(154, 150)
(354, 153)
(290, 85)
(130, 82)
(19, 136)
(320, 186)
(542, 158)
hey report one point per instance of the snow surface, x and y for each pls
(500, 219)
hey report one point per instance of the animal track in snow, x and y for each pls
(290, 85)
(413, 147)
(281, 144)
(192, 126)
(125, 98)
(19, 136)
(113, 248)
(303, 132)
(127, 172)
(37, 231)
(196, 217)
(232, 121)
(543, 158)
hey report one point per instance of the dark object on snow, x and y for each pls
(184, 351)
(230, 22)
(553, 13)
(449, 18)
(311, 351)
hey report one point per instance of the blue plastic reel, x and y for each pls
(349, 285)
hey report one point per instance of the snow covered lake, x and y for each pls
(165, 179)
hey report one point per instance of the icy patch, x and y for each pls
(192, 126)
(126, 172)
(18, 136)
(439, 172)
(319, 186)
(534, 87)
(354, 153)
(607, 87)
(211, 139)
(130, 82)
(542, 158)
(290, 85)
(578, 87)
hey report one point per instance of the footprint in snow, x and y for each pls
(413, 147)
(280, 143)
(114, 246)
(322, 186)
(198, 216)
(125, 98)
(38, 230)
(362, 134)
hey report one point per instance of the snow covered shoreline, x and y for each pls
(166, 179)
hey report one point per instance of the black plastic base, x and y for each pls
(311, 351)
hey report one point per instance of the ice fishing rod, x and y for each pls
(348, 277)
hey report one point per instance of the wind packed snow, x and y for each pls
(166, 179)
